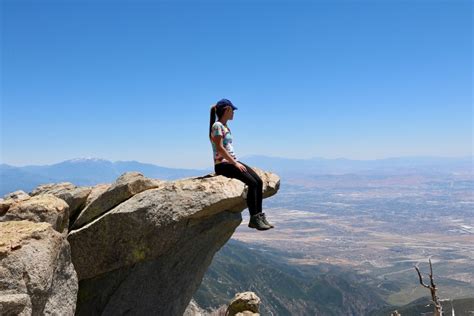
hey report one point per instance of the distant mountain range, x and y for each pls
(83, 172)
(91, 171)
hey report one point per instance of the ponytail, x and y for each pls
(213, 119)
(215, 111)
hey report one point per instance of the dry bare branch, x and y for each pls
(420, 277)
(432, 287)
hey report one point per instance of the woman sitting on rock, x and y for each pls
(226, 163)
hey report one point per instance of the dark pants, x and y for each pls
(250, 178)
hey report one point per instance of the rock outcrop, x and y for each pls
(193, 309)
(126, 186)
(245, 303)
(74, 196)
(36, 273)
(242, 304)
(41, 208)
(138, 246)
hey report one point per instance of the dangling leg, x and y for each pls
(256, 216)
(259, 196)
(231, 171)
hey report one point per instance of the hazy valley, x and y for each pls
(379, 226)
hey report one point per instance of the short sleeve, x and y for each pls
(217, 130)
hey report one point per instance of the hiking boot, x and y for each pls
(264, 217)
(256, 221)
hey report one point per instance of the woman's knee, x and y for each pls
(254, 175)
(251, 182)
(258, 180)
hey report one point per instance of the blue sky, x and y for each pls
(134, 80)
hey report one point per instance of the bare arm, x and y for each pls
(217, 140)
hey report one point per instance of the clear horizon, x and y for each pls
(127, 80)
(207, 167)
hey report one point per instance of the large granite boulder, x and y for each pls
(41, 208)
(74, 196)
(36, 273)
(126, 186)
(139, 246)
(148, 254)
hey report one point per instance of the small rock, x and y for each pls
(15, 304)
(12, 198)
(245, 303)
(193, 309)
(247, 313)
(16, 196)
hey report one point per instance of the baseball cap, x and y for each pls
(223, 103)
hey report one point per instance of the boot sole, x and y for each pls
(259, 228)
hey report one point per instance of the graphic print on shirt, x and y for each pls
(218, 129)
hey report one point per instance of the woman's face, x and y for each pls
(229, 112)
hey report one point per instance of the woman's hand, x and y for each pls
(241, 167)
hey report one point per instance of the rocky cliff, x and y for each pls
(138, 245)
